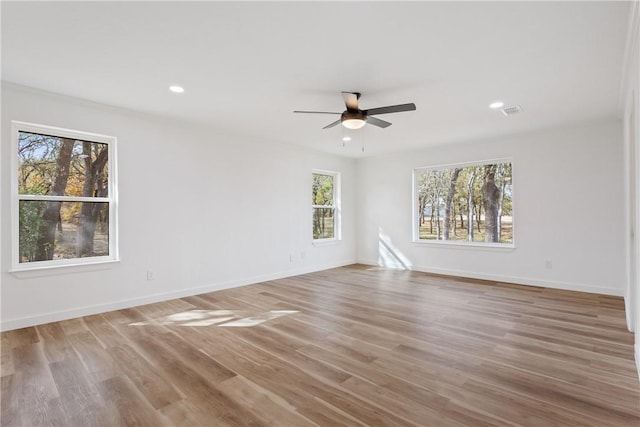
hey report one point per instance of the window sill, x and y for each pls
(59, 269)
(325, 242)
(466, 245)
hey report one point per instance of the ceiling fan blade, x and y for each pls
(316, 112)
(391, 109)
(351, 100)
(378, 122)
(330, 125)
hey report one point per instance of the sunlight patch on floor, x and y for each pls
(226, 318)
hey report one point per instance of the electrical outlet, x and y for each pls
(290, 257)
(302, 255)
(150, 275)
(548, 264)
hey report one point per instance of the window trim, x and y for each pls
(337, 216)
(112, 199)
(415, 229)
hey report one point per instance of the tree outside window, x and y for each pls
(324, 205)
(65, 197)
(466, 203)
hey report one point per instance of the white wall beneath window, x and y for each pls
(201, 209)
(568, 202)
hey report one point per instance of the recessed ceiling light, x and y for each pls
(346, 138)
(176, 89)
(497, 104)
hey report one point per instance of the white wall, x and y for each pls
(568, 198)
(201, 209)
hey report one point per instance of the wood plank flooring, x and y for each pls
(353, 346)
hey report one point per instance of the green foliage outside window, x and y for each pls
(323, 200)
(31, 224)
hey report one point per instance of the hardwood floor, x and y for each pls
(345, 347)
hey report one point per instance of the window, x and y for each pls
(464, 203)
(325, 199)
(64, 204)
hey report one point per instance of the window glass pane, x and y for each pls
(55, 166)
(323, 223)
(62, 230)
(322, 190)
(466, 204)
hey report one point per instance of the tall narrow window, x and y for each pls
(64, 209)
(325, 205)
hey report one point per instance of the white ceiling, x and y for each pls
(246, 66)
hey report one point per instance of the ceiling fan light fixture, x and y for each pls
(353, 123)
(353, 120)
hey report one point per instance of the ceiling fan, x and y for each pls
(355, 118)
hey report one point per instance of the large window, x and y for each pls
(64, 209)
(325, 205)
(464, 203)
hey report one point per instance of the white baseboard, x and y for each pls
(628, 310)
(23, 322)
(568, 286)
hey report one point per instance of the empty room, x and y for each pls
(320, 213)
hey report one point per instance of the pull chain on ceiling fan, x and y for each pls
(355, 118)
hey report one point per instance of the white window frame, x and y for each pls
(457, 243)
(337, 216)
(110, 141)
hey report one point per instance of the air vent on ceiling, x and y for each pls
(510, 111)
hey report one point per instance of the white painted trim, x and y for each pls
(70, 266)
(63, 132)
(629, 50)
(66, 198)
(465, 164)
(463, 244)
(630, 179)
(24, 322)
(324, 242)
(568, 286)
